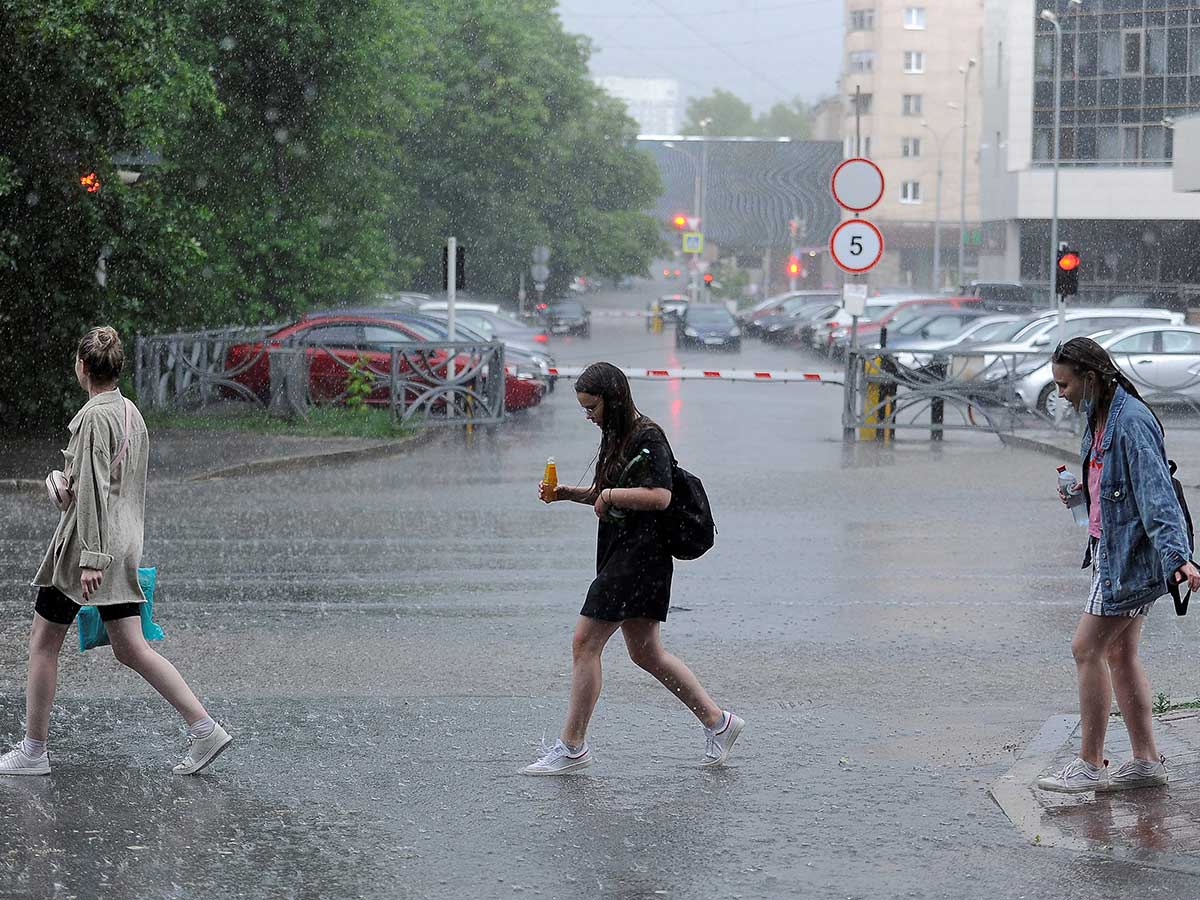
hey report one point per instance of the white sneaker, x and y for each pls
(719, 741)
(560, 760)
(202, 751)
(1137, 773)
(16, 762)
(1077, 777)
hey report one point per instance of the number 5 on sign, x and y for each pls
(856, 246)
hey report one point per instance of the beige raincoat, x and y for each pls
(104, 526)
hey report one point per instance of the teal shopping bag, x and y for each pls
(91, 626)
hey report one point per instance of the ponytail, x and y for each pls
(1086, 357)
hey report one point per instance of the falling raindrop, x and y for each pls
(227, 43)
(281, 135)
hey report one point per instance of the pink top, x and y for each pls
(1095, 467)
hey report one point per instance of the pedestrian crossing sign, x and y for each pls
(693, 242)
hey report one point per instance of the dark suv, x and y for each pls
(1001, 296)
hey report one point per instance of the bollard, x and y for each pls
(872, 369)
(656, 318)
(938, 370)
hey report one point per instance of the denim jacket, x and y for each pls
(1143, 535)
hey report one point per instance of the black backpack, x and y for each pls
(1181, 604)
(688, 524)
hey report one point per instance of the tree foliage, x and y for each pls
(730, 116)
(308, 152)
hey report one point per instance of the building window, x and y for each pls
(914, 18)
(1133, 52)
(864, 103)
(914, 62)
(910, 192)
(910, 105)
(911, 147)
(862, 20)
(851, 150)
(862, 61)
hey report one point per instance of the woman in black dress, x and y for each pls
(632, 590)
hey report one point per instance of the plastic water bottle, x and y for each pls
(1069, 484)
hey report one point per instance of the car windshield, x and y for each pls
(998, 331)
(712, 315)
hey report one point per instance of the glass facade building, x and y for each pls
(1129, 67)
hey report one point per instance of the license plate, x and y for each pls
(560, 329)
(714, 341)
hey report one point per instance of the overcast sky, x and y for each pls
(762, 50)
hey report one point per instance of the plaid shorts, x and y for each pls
(1095, 600)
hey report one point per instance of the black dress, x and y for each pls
(633, 565)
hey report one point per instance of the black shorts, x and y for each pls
(55, 606)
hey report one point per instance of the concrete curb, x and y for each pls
(314, 460)
(266, 466)
(1024, 443)
(1016, 796)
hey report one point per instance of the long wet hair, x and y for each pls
(1086, 357)
(621, 420)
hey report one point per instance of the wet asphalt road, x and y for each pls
(389, 642)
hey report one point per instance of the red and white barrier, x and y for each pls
(781, 376)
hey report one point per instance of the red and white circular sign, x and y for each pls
(857, 184)
(856, 246)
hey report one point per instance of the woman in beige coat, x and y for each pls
(94, 559)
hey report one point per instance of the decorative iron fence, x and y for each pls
(425, 383)
(897, 389)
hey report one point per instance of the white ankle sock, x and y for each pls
(32, 748)
(203, 728)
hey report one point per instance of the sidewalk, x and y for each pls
(183, 454)
(1158, 827)
(1183, 446)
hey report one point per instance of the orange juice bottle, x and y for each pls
(550, 476)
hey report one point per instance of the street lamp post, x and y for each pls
(962, 186)
(697, 188)
(1048, 15)
(937, 225)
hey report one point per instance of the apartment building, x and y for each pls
(916, 63)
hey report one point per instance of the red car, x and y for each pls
(868, 332)
(349, 338)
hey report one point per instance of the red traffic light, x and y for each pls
(1069, 261)
(708, 278)
(680, 221)
(90, 182)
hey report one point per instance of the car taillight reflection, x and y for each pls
(541, 338)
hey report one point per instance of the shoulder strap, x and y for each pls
(125, 437)
(1181, 603)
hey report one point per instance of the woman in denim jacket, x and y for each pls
(1137, 540)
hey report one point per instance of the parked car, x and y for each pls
(772, 305)
(533, 357)
(896, 316)
(708, 325)
(335, 342)
(1025, 354)
(1163, 361)
(491, 322)
(810, 318)
(569, 317)
(781, 326)
(982, 327)
(940, 325)
(671, 306)
(1002, 296)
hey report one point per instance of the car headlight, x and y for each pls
(776, 327)
(840, 333)
(691, 332)
(735, 332)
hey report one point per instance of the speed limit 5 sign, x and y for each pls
(856, 246)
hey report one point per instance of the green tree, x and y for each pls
(83, 80)
(730, 115)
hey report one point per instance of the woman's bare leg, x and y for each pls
(645, 647)
(586, 648)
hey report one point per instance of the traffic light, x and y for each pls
(680, 221)
(708, 277)
(90, 182)
(795, 270)
(1066, 275)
